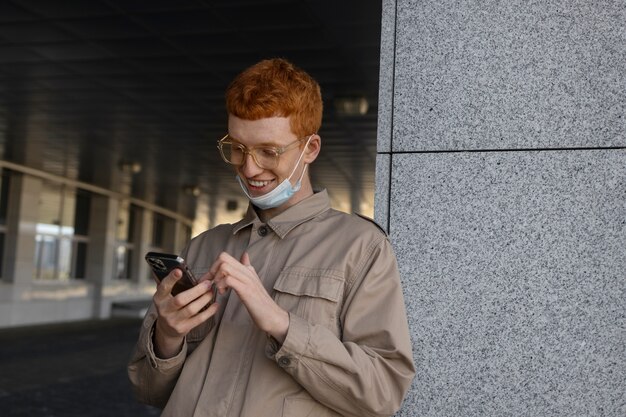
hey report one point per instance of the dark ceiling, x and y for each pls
(87, 84)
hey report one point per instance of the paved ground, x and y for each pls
(75, 369)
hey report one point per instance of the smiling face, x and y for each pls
(273, 131)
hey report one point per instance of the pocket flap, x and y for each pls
(320, 283)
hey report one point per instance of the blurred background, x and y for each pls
(110, 111)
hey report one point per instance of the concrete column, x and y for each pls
(102, 246)
(144, 220)
(501, 177)
(175, 237)
(22, 216)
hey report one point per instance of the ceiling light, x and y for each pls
(351, 106)
(130, 167)
(192, 190)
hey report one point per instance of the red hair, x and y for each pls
(276, 87)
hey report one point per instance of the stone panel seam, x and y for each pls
(600, 148)
(393, 98)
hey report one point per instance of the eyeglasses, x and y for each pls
(266, 157)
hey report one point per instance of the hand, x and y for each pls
(177, 315)
(228, 272)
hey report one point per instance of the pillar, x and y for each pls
(501, 178)
(101, 248)
(22, 217)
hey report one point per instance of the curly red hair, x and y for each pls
(276, 87)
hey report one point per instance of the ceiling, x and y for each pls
(88, 85)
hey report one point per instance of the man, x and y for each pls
(309, 318)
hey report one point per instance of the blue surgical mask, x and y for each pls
(279, 195)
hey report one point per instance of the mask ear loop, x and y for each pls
(300, 159)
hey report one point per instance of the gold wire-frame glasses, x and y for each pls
(265, 157)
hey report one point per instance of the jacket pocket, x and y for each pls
(312, 294)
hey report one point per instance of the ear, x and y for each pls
(312, 149)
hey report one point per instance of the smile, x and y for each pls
(258, 184)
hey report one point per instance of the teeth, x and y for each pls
(258, 183)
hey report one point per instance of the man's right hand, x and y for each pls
(179, 314)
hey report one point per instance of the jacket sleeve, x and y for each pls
(153, 378)
(367, 371)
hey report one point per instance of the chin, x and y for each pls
(258, 193)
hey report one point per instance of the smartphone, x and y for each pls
(163, 263)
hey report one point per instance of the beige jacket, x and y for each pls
(347, 350)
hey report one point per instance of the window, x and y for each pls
(80, 240)
(158, 230)
(61, 232)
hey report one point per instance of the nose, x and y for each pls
(250, 167)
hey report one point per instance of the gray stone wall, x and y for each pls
(501, 178)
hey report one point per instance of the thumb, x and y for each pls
(245, 259)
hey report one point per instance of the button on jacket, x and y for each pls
(347, 351)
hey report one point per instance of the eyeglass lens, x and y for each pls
(264, 157)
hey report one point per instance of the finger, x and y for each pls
(225, 283)
(222, 259)
(220, 283)
(245, 260)
(203, 315)
(208, 276)
(227, 273)
(185, 325)
(220, 266)
(236, 278)
(188, 296)
(198, 304)
(198, 307)
(165, 287)
(235, 267)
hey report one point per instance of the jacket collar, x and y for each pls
(294, 216)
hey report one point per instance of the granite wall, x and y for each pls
(501, 178)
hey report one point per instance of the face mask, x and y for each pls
(279, 195)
